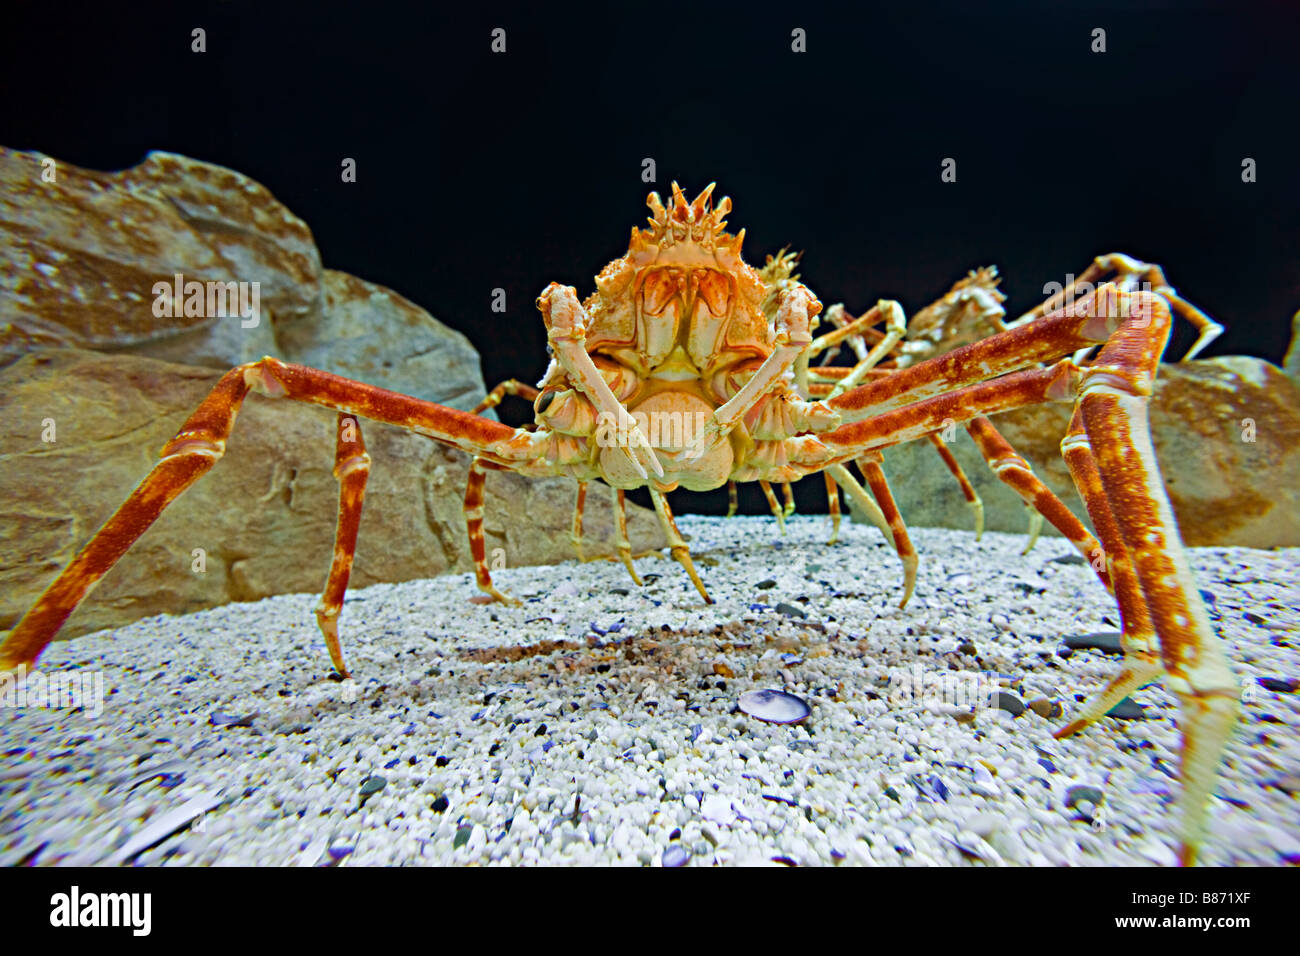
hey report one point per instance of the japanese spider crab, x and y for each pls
(681, 327)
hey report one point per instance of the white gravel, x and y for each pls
(496, 746)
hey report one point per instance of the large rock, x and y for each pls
(80, 257)
(1225, 489)
(264, 515)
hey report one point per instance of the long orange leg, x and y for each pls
(731, 499)
(875, 475)
(967, 489)
(1115, 392)
(351, 468)
(788, 494)
(1141, 658)
(1015, 472)
(773, 504)
(1127, 272)
(202, 440)
(833, 502)
(474, 525)
(576, 534)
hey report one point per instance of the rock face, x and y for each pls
(264, 516)
(1226, 489)
(89, 259)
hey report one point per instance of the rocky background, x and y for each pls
(79, 344)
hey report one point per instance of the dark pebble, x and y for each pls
(675, 856)
(1082, 793)
(462, 837)
(1068, 559)
(1280, 685)
(442, 761)
(1255, 619)
(1012, 704)
(441, 804)
(219, 719)
(1107, 641)
(789, 610)
(1128, 709)
(766, 585)
(372, 785)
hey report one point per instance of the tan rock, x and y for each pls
(80, 258)
(264, 516)
(1225, 489)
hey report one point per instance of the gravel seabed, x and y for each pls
(486, 734)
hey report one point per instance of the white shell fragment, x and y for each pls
(774, 706)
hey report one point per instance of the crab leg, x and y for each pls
(1015, 472)
(624, 545)
(1114, 395)
(509, 387)
(895, 329)
(731, 499)
(575, 535)
(1086, 323)
(474, 525)
(967, 489)
(844, 478)
(202, 440)
(351, 468)
(833, 503)
(773, 504)
(787, 493)
(1129, 271)
(677, 544)
(566, 332)
(875, 475)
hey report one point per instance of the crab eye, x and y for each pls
(715, 290)
(544, 401)
(659, 288)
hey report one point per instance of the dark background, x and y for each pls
(478, 171)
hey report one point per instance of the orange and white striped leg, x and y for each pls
(858, 495)
(1114, 394)
(676, 543)
(624, 545)
(1141, 657)
(351, 468)
(875, 475)
(1013, 471)
(788, 494)
(773, 504)
(967, 489)
(575, 535)
(509, 387)
(833, 503)
(474, 525)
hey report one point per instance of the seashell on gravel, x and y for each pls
(774, 706)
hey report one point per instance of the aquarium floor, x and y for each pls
(598, 723)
